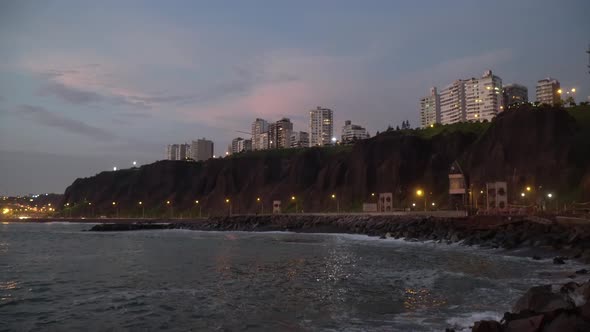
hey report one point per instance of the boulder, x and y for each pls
(487, 326)
(541, 299)
(567, 321)
(530, 324)
(558, 260)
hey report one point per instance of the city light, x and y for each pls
(115, 168)
(549, 195)
(134, 163)
(227, 200)
(140, 203)
(5, 211)
(522, 194)
(292, 198)
(333, 195)
(433, 204)
(333, 139)
(114, 203)
(168, 202)
(414, 204)
(197, 202)
(258, 199)
(528, 188)
(419, 193)
(559, 91)
(373, 194)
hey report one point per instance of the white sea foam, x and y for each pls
(465, 321)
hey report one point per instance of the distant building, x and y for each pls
(201, 149)
(473, 99)
(452, 103)
(430, 109)
(547, 91)
(352, 132)
(183, 152)
(259, 126)
(263, 141)
(240, 145)
(321, 126)
(279, 134)
(300, 139)
(514, 94)
(172, 151)
(483, 97)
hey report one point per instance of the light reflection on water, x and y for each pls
(214, 281)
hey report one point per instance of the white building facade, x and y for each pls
(352, 132)
(452, 103)
(300, 139)
(430, 109)
(259, 127)
(547, 91)
(321, 126)
(201, 149)
(483, 97)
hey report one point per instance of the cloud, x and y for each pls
(45, 117)
(71, 95)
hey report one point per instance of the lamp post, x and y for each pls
(142, 209)
(337, 203)
(171, 209)
(259, 200)
(420, 193)
(116, 209)
(293, 199)
(228, 202)
(91, 209)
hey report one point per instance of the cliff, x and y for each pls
(543, 148)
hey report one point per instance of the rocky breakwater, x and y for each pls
(548, 309)
(572, 241)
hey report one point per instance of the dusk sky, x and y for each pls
(85, 86)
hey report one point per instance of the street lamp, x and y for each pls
(227, 201)
(294, 200)
(337, 203)
(134, 163)
(421, 193)
(528, 188)
(171, 209)
(116, 209)
(142, 209)
(259, 200)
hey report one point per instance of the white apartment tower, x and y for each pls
(452, 103)
(352, 132)
(548, 91)
(171, 151)
(259, 126)
(300, 139)
(430, 109)
(483, 97)
(201, 149)
(321, 126)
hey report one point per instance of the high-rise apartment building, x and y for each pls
(201, 149)
(514, 94)
(321, 126)
(171, 151)
(547, 91)
(452, 103)
(259, 126)
(473, 99)
(430, 109)
(483, 97)
(279, 134)
(352, 132)
(183, 152)
(300, 139)
(263, 141)
(240, 145)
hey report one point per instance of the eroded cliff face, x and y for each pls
(523, 147)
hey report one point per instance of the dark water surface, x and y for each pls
(56, 277)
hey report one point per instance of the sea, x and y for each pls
(61, 277)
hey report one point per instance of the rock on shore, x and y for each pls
(546, 309)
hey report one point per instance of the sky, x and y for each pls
(88, 85)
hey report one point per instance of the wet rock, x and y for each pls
(530, 324)
(536, 258)
(541, 299)
(486, 326)
(582, 271)
(567, 321)
(558, 260)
